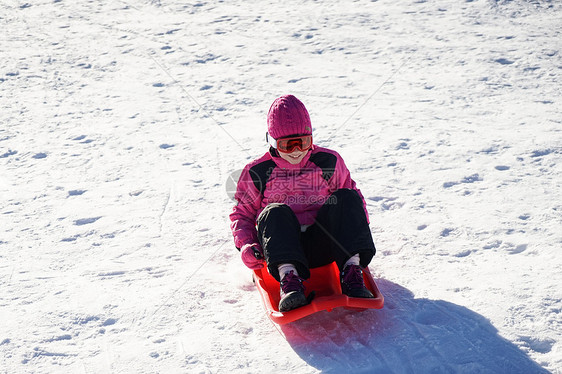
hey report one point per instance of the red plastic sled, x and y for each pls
(325, 282)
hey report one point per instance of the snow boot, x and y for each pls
(352, 283)
(292, 292)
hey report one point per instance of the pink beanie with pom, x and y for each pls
(288, 116)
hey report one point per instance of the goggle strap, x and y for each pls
(272, 142)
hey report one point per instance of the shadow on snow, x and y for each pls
(408, 336)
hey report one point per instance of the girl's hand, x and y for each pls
(252, 256)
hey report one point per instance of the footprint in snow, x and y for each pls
(541, 152)
(446, 232)
(76, 192)
(502, 167)
(85, 221)
(518, 249)
(504, 61)
(109, 322)
(469, 179)
(538, 345)
(494, 244)
(8, 154)
(463, 253)
(402, 145)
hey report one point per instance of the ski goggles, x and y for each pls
(288, 145)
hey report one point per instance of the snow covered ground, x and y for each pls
(121, 121)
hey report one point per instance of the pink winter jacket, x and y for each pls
(304, 187)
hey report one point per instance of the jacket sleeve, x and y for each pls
(343, 180)
(244, 214)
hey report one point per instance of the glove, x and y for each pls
(252, 256)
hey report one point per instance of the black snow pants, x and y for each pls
(339, 232)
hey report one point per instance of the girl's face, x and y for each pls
(294, 157)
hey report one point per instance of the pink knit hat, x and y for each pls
(288, 116)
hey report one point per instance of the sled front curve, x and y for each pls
(325, 282)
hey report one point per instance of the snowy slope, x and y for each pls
(121, 122)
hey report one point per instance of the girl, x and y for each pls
(298, 208)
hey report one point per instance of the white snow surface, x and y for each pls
(121, 122)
